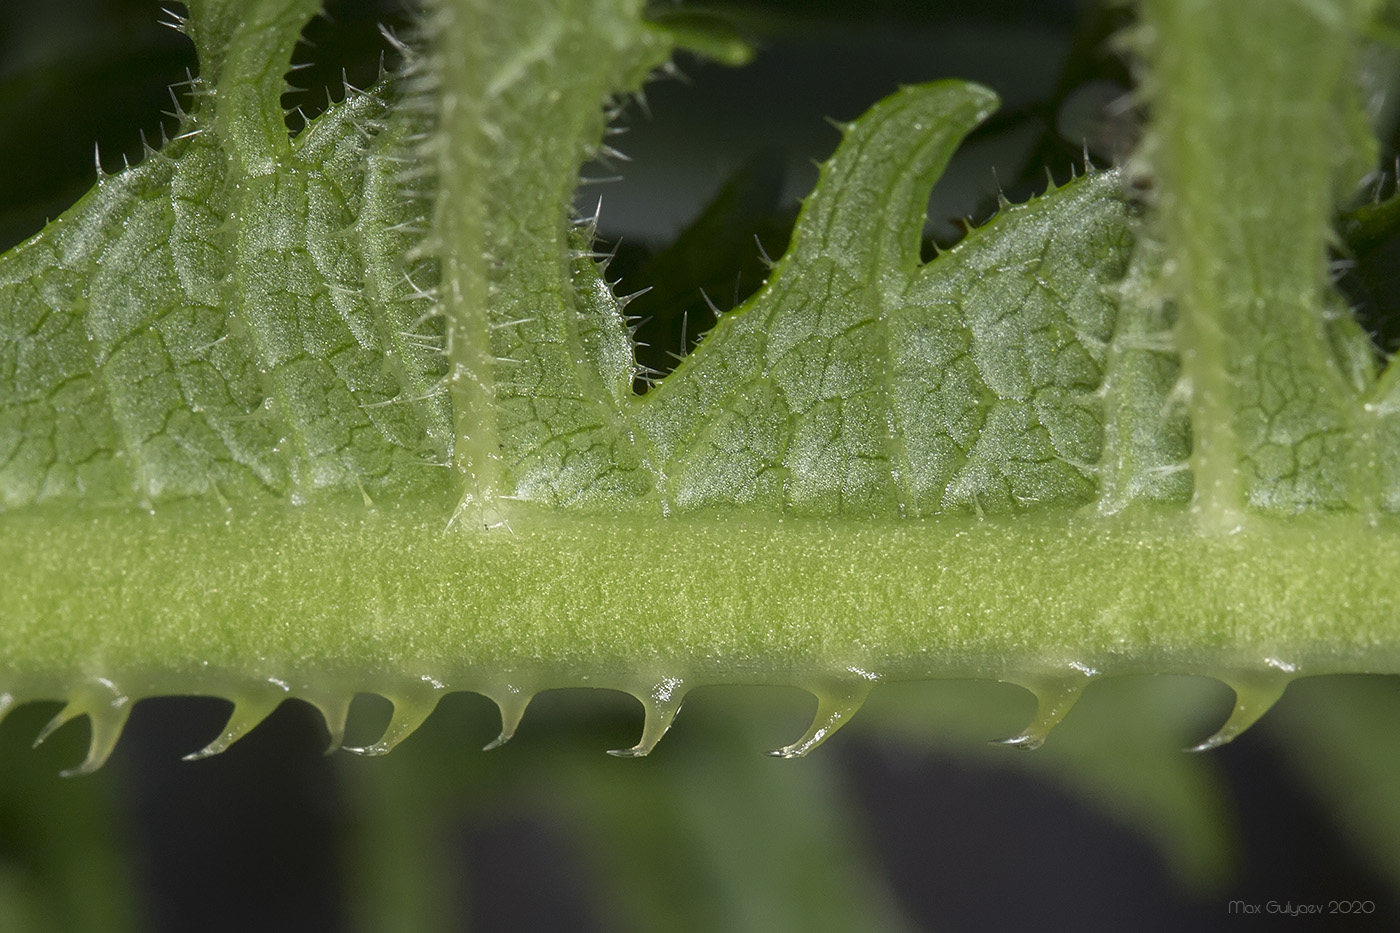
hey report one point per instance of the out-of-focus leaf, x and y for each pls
(1121, 753)
(1339, 735)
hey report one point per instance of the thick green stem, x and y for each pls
(332, 598)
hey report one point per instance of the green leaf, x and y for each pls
(1120, 754)
(354, 411)
(201, 325)
(862, 382)
(256, 331)
(1278, 425)
(1331, 734)
(63, 865)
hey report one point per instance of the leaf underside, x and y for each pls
(393, 311)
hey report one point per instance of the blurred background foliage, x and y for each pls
(908, 819)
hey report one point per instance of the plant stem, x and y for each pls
(351, 600)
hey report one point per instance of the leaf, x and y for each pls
(260, 324)
(64, 863)
(200, 324)
(1120, 754)
(1331, 734)
(861, 381)
(1280, 382)
(354, 410)
(311, 369)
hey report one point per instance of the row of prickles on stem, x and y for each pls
(107, 708)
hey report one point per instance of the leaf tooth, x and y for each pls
(414, 702)
(177, 110)
(334, 707)
(1055, 696)
(576, 254)
(173, 20)
(589, 224)
(669, 70)
(843, 127)
(1255, 693)
(613, 108)
(624, 300)
(197, 87)
(512, 700)
(661, 702)
(763, 256)
(709, 303)
(409, 53)
(60, 719)
(250, 708)
(1003, 202)
(838, 699)
(606, 152)
(1089, 167)
(106, 708)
